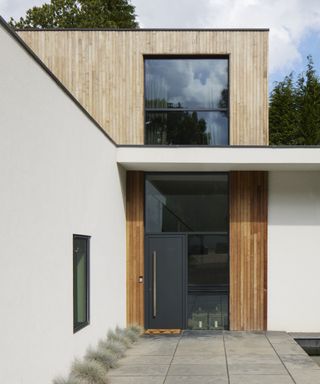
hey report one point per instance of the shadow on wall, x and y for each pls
(122, 178)
(294, 199)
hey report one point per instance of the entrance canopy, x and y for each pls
(207, 159)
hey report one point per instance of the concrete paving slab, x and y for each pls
(257, 368)
(299, 362)
(139, 370)
(197, 370)
(199, 350)
(145, 360)
(136, 380)
(197, 345)
(154, 347)
(306, 377)
(288, 349)
(253, 359)
(245, 351)
(196, 380)
(261, 379)
(280, 338)
(198, 357)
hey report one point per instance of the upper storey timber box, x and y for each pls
(139, 85)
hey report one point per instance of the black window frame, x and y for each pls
(155, 110)
(79, 325)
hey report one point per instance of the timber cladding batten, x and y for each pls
(248, 250)
(135, 247)
(104, 70)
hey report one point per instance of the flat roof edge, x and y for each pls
(144, 29)
(232, 146)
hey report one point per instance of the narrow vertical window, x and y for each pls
(81, 248)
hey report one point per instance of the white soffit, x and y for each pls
(143, 158)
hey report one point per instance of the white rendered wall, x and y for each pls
(58, 177)
(294, 251)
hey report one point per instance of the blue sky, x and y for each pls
(294, 25)
(310, 44)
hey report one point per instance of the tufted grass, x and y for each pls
(104, 356)
(119, 336)
(88, 372)
(97, 361)
(114, 346)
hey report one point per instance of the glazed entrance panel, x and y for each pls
(208, 281)
(193, 207)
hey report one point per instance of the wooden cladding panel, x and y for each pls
(135, 247)
(248, 250)
(104, 70)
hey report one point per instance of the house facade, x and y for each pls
(138, 187)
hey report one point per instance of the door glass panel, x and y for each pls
(207, 311)
(208, 281)
(208, 261)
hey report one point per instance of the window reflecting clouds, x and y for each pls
(187, 83)
(199, 88)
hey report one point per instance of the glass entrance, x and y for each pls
(195, 205)
(208, 281)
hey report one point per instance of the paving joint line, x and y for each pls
(174, 353)
(225, 355)
(285, 367)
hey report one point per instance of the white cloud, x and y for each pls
(17, 8)
(289, 21)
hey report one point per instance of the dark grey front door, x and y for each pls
(165, 271)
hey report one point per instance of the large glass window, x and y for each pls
(186, 203)
(80, 281)
(186, 101)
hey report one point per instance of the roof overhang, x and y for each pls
(206, 159)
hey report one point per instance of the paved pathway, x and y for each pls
(199, 357)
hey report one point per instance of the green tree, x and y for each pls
(308, 106)
(79, 14)
(294, 114)
(282, 113)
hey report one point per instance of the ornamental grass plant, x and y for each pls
(94, 367)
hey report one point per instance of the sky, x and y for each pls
(294, 24)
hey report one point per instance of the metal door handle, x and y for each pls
(154, 311)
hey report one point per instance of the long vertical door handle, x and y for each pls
(154, 310)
